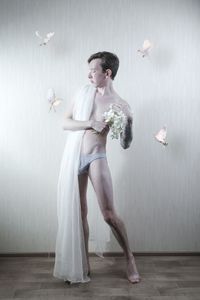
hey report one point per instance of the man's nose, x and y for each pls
(89, 75)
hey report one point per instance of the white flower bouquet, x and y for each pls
(115, 119)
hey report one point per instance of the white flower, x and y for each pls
(115, 118)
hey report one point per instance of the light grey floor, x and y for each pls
(163, 277)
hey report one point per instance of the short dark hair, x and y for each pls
(108, 61)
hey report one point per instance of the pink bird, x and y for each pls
(45, 39)
(53, 100)
(146, 47)
(161, 136)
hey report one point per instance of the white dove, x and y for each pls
(46, 39)
(53, 100)
(161, 135)
(147, 46)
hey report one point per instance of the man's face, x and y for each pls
(96, 75)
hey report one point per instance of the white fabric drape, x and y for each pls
(70, 254)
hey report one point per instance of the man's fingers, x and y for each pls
(105, 129)
(100, 126)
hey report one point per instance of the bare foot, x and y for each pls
(132, 272)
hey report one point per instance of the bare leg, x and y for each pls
(83, 181)
(100, 177)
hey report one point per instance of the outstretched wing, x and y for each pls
(51, 95)
(57, 102)
(48, 37)
(50, 34)
(147, 45)
(38, 35)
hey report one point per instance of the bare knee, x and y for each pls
(109, 217)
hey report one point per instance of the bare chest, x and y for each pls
(101, 105)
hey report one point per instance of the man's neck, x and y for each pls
(106, 90)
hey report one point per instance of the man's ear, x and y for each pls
(108, 73)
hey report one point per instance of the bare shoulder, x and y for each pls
(124, 103)
(125, 106)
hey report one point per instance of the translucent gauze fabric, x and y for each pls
(70, 254)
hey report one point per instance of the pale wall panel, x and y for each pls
(156, 189)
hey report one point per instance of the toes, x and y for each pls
(135, 278)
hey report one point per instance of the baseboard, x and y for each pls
(106, 254)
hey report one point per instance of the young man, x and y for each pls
(93, 164)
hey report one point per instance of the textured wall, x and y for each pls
(156, 189)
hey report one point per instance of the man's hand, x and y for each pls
(99, 126)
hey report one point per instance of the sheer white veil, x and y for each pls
(70, 254)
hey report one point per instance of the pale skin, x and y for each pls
(94, 140)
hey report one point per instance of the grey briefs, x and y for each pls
(86, 159)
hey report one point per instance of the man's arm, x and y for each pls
(71, 124)
(126, 135)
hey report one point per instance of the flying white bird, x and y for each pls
(53, 100)
(161, 135)
(147, 46)
(46, 39)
